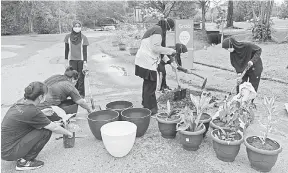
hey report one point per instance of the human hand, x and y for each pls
(48, 111)
(250, 64)
(174, 66)
(85, 66)
(70, 135)
(66, 63)
(172, 51)
(239, 80)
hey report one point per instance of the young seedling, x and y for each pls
(271, 111)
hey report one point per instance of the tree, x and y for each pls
(262, 23)
(204, 4)
(230, 14)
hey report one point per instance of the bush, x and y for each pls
(262, 32)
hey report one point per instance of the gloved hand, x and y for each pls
(250, 64)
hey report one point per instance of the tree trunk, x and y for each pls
(203, 17)
(230, 14)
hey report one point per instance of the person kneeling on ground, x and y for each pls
(60, 88)
(25, 130)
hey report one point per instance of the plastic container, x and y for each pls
(119, 137)
(138, 116)
(119, 106)
(97, 119)
(69, 142)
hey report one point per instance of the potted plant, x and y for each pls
(228, 138)
(244, 111)
(167, 122)
(191, 127)
(263, 151)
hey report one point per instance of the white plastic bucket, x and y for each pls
(118, 137)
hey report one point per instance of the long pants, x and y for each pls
(161, 69)
(254, 79)
(78, 66)
(148, 95)
(30, 145)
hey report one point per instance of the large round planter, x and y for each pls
(97, 119)
(138, 116)
(226, 150)
(192, 140)
(69, 106)
(133, 50)
(119, 106)
(260, 159)
(167, 127)
(119, 137)
(205, 118)
(122, 46)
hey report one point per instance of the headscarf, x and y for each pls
(165, 24)
(243, 52)
(74, 36)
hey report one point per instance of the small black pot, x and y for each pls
(167, 127)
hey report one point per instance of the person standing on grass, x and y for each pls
(243, 54)
(25, 130)
(76, 50)
(147, 59)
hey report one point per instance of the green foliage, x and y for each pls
(261, 31)
(270, 108)
(189, 120)
(283, 14)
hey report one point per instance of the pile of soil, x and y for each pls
(268, 145)
(180, 103)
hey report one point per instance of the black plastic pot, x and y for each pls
(69, 106)
(97, 119)
(167, 127)
(205, 118)
(133, 50)
(262, 160)
(69, 142)
(140, 117)
(119, 106)
(122, 46)
(192, 140)
(226, 151)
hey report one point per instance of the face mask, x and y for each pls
(231, 49)
(77, 29)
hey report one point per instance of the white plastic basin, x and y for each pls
(118, 137)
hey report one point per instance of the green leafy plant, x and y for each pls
(233, 114)
(190, 121)
(169, 112)
(271, 111)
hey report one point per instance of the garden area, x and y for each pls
(208, 129)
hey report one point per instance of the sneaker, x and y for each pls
(23, 165)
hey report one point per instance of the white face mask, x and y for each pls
(77, 29)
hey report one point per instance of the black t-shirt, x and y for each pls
(20, 120)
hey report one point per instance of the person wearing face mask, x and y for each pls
(76, 45)
(25, 130)
(60, 88)
(147, 59)
(243, 54)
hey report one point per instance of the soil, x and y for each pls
(181, 103)
(218, 122)
(221, 136)
(269, 144)
(164, 116)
